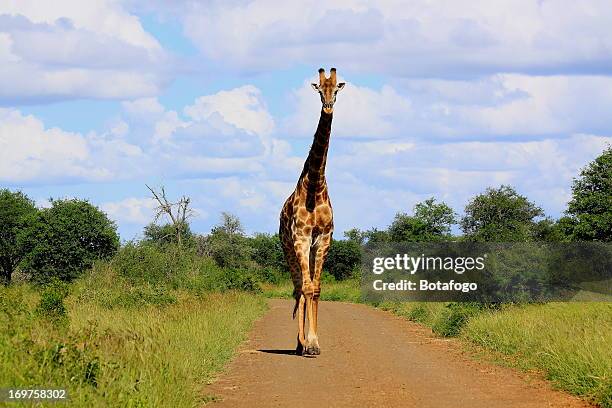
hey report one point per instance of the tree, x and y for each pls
(590, 209)
(66, 239)
(406, 228)
(16, 210)
(500, 215)
(431, 222)
(375, 235)
(356, 235)
(438, 218)
(226, 243)
(178, 212)
(166, 234)
(230, 224)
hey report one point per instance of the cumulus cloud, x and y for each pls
(224, 134)
(420, 39)
(131, 210)
(241, 107)
(29, 151)
(69, 49)
(456, 171)
(359, 111)
(495, 107)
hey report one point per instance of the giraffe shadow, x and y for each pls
(286, 352)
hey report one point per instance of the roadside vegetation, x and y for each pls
(148, 322)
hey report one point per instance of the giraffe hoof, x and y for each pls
(299, 350)
(312, 351)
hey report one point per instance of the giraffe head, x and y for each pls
(328, 88)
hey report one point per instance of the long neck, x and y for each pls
(314, 167)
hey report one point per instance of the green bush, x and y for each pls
(149, 262)
(454, 317)
(65, 240)
(267, 252)
(72, 359)
(227, 244)
(417, 314)
(51, 302)
(167, 234)
(144, 264)
(243, 281)
(271, 275)
(343, 258)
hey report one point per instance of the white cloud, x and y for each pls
(358, 112)
(147, 141)
(29, 151)
(456, 171)
(241, 107)
(71, 49)
(143, 107)
(496, 107)
(421, 38)
(99, 16)
(131, 210)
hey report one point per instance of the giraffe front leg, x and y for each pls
(301, 338)
(319, 254)
(305, 301)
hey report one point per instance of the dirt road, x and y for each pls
(369, 358)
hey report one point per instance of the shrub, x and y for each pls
(167, 234)
(343, 258)
(455, 316)
(417, 314)
(268, 252)
(149, 262)
(228, 250)
(51, 302)
(63, 241)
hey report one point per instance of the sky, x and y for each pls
(212, 100)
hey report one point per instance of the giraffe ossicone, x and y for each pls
(307, 224)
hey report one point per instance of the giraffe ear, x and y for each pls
(315, 86)
(340, 85)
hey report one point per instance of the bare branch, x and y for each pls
(165, 207)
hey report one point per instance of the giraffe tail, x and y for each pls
(295, 308)
(296, 295)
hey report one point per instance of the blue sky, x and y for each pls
(212, 100)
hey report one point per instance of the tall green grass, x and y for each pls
(150, 355)
(331, 290)
(570, 342)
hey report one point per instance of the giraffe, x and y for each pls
(307, 224)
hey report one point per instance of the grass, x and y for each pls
(568, 342)
(150, 355)
(339, 291)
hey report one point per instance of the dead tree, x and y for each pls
(178, 212)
